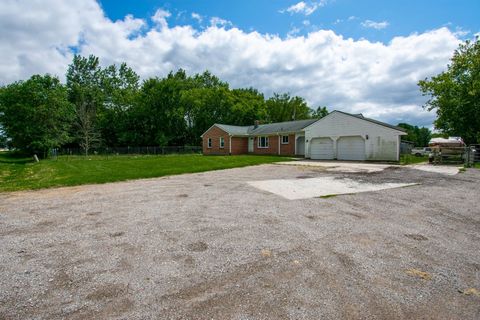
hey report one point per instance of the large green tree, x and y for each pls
(283, 107)
(455, 94)
(84, 84)
(419, 136)
(36, 114)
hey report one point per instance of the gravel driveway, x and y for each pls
(210, 246)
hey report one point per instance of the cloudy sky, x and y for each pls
(356, 56)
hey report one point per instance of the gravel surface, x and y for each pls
(210, 246)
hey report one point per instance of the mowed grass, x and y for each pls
(19, 173)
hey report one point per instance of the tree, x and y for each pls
(320, 112)
(35, 114)
(282, 107)
(84, 84)
(419, 136)
(455, 94)
(120, 87)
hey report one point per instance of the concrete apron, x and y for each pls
(294, 189)
(353, 167)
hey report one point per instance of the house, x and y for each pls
(339, 135)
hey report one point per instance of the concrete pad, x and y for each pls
(338, 166)
(447, 170)
(294, 189)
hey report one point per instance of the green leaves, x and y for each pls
(35, 114)
(455, 94)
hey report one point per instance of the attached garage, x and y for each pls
(345, 136)
(322, 149)
(351, 148)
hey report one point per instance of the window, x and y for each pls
(222, 142)
(209, 143)
(263, 142)
(284, 139)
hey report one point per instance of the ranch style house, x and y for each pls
(339, 135)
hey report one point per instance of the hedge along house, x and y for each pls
(339, 135)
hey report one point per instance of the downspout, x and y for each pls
(230, 144)
(278, 143)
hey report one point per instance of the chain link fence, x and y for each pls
(116, 151)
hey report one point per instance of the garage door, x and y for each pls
(351, 148)
(321, 149)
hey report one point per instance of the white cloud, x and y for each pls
(305, 8)
(374, 24)
(160, 18)
(219, 22)
(376, 79)
(197, 17)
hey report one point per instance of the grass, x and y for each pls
(20, 173)
(412, 159)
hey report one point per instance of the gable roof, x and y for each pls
(268, 128)
(279, 127)
(361, 117)
(289, 126)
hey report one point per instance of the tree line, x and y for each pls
(110, 106)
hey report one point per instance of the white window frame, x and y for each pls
(267, 144)
(222, 142)
(209, 143)
(283, 139)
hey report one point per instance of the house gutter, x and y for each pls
(230, 144)
(278, 135)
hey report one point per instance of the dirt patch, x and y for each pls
(198, 246)
(417, 237)
(107, 291)
(116, 234)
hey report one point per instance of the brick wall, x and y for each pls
(215, 133)
(272, 146)
(288, 149)
(239, 145)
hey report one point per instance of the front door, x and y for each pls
(250, 144)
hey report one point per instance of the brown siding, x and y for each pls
(272, 146)
(215, 133)
(288, 149)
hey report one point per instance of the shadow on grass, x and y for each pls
(15, 158)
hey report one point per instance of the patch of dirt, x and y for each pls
(198, 246)
(116, 234)
(183, 195)
(417, 237)
(419, 274)
(107, 291)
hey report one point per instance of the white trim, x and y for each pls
(230, 144)
(288, 138)
(209, 143)
(267, 142)
(402, 133)
(220, 140)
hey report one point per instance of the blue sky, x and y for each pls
(345, 17)
(354, 56)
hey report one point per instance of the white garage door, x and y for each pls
(351, 148)
(321, 149)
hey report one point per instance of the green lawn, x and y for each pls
(412, 159)
(17, 173)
